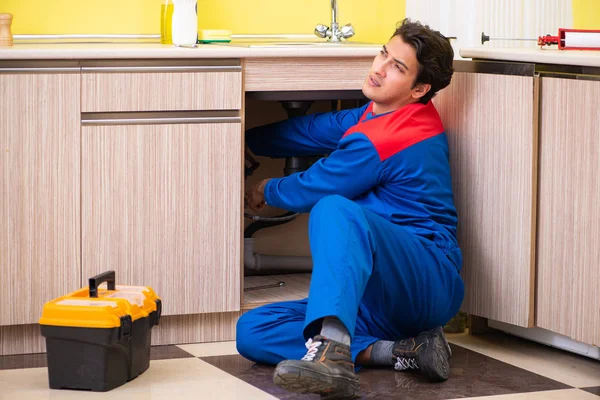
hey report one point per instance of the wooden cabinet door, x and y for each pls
(492, 142)
(162, 206)
(568, 294)
(39, 189)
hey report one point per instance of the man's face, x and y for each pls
(392, 76)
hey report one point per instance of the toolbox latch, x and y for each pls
(126, 325)
(158, 311)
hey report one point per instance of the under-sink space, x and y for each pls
(276, 252)
(295, 288)
(289, 239)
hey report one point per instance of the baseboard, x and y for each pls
(173, 329)
(195, 328)
(548, 338)
(21, 339)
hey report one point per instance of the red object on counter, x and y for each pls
(562, 36)
(560, 40)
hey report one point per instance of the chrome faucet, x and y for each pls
(334, 34)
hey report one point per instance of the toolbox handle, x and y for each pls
(95, 281)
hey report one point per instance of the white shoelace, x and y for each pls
(312, 347)
(405, 363)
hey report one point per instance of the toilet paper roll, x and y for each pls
(582, 39)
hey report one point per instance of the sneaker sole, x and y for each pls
(303, 380)
(435, 359)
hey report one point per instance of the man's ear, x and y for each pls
(420, 90)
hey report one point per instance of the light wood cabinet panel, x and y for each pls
(492, 141)
(196, 328)
(21, 339)
(568, 300)
(161, 91)
(277, 74)
(161, 205)
(39, 191)
(173, 329)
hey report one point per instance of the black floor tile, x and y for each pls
(39, 360)
(472, 374)
(168, 353)
(593, 390)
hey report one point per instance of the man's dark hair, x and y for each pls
(434, 54)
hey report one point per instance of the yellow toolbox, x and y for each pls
(97, 339)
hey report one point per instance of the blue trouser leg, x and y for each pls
(402, 283)
(381, 280)
(273, 333)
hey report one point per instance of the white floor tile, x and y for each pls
(566, 394)
(188, 378)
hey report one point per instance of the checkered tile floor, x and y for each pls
(493, 366)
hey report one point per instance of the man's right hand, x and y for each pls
(255, 196)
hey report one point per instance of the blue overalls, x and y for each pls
(382, 229)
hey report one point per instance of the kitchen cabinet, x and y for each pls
(161, 205)
(162, 190)
(135, 164)
(568, 298)
(39, 186)
(489, 120)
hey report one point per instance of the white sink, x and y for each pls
(294, 44)
(283, 43)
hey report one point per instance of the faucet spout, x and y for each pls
(334, 24)
(334, 11)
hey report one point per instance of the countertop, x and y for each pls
(585, 58)
(85, 51)
(91, 51)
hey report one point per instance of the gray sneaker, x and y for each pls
(429, 353)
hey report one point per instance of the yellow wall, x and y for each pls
(373, 20)
(586, 14)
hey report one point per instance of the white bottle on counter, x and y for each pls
(184, 25)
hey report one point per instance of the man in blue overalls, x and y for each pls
(382, 229)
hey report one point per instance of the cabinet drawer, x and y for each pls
(293, 74)
(161, 86)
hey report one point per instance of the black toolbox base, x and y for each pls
(96, 359)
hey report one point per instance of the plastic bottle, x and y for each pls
(6, 37)
(166, 18)
(185, 22)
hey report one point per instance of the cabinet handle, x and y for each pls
(166, 68)
(159, 121)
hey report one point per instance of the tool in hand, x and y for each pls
(275, 285)
(567, 39)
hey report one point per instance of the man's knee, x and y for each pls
(246, 340)
(334, 206)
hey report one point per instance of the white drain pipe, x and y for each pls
(263, 264)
